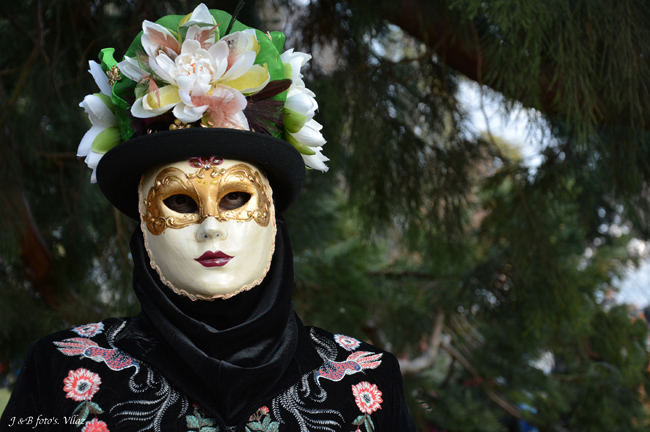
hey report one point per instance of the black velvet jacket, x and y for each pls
(245, 364)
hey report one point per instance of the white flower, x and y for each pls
(302, 131)
(296, 60)
(200, 16)
(131, 69)
(194, 71)
(104, 133)
(316, 161)
(100, 77)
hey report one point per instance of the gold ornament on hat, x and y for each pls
(113, 75)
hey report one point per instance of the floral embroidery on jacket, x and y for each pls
(368, 399)
(149, 412)
(261, 421)
(95, 426)
(199, 422)
(81, 385)
(294, 400)
(346, 342)
(89, 330)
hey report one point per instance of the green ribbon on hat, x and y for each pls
(121, 107)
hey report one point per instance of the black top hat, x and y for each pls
(153, 109)
(120, 170)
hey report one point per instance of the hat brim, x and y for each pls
(120, 169)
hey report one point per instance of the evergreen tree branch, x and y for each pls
(26, 69)
(36, 259)
(445, 38)
(426, 360)
(497, 399)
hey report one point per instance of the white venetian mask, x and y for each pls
(209, 226)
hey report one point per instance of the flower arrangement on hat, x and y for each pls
(202, 70)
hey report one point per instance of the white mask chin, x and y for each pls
(200, 240)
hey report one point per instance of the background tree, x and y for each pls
(424, 238)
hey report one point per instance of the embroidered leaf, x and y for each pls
(357, 421)
(266, 421)
(256, 426)
(209, 429)
(78, 408)
(207, 421)
(273, 427)
(95, 409)
(192, 422)
(84, 415)
(370, 427)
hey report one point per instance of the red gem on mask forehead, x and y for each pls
(206, 163)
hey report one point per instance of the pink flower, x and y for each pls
(95, 426)
(261, 412)
(347, 342)
(367, 396)
(81, 384)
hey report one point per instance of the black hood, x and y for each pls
(227, 355)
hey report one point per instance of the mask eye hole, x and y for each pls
(234, 200)
(181, 204)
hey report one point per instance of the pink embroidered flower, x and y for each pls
(261, 412)
(367, 396)
(95, 426)
(81, 384)
(346, 342)
(89, 330)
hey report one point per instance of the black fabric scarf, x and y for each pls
(226, 355)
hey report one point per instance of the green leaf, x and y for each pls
(209, 421)
(106, 140)
(293, 121)
(273, 427)
(298, 145)
(270, 56)
(278, 40)
(357, 421)
(370, 426)
(288, 70)
(256, 426)
(266, 421)
(141, 89)
(95, 409)
(83, 416)
(81, 405)
(192, 422)
(209, 429)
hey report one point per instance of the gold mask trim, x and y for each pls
(207, 187)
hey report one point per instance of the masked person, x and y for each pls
(202, 133)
